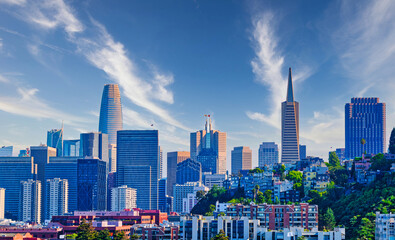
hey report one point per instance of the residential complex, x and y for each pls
(123, 198)
(385, 226)
(57, 197)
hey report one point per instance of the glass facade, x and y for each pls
(95, 145)
(6, 151)
(139, 150)
(55, 140)
(91, 177)
(188, 171)
(268, 154)
(71, 148)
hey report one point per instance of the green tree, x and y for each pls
(85, 231)
(120, 236)
(134, 237)
(277, 200)
(268, 196)
(71, 236)
(329, 221)
(379, 162)
(334, 159)
(391, 146)
(200, 194)
(301, 238)
(366, 229)
(104, 235)
(256, 170)
(294, 176)
(220, 236)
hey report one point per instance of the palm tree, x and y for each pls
(363, 142)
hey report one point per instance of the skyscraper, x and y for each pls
(123, 198)
(56, 200)
(208, 146)
(302, 152)
(173, 158)
(13, 170)
(268, 154)
(138, 164)
(162, 189)
(290, 126)
(241, 159)
(111, 112)
(161, 163)
(92, 189)
(189, 171)
(6, 151)
(365, 118)
(95, 145)
(55, 140)
(30, 201)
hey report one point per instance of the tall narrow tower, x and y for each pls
(110, 112)
(290, 126)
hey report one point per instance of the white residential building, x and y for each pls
(209, 180)
(2, 202)
(181, 191)
(57, 197)
(30, 201)
(385, 226)
(122, 198)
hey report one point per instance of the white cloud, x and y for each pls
(268, 68)
(4, 79)
(13, 2)
(1, 44)
(28, 104)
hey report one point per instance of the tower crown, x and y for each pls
(290, 92)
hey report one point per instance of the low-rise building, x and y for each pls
(385, 226)
(296, 233)
(153, 231)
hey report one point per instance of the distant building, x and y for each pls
(55, 140)
(302, 152)
(268, 154)
(209, 180)
(30, 201)
(290, 126)
(181, 191)
(341, 154)
(385, 226)
(95, 145)
(6, 151)
(71, 148)
(211, 146)
(24, 152)
(111, 112)
(188, 171)
(241, 159)
(91, 176)
(365, 119)
(161, 163)
(13, 170)
(57, 198)
(138, 164)
(112, 157)
(65, 168)
(173, 158)
(111, 183)
(2, 202)
(122, 198)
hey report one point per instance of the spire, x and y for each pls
(290, 92)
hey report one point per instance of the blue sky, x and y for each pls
(178, 60)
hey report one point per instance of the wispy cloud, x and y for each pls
(1, 44)
(268, 67)
(28, 104)
(13, 2)
(107, 54)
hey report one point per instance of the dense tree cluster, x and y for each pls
(87, 232)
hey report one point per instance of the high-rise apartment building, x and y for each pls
(268, 154)
(385, 226)
(2, 202)
(290, 126)
(111, 112)
(92, 189)
(55, 140)
(365, 118)
(13, 170)
(161, 163)
(138, 164)
(30, 201)
(71, 148)
(241, 159)
(208, 146)
(173, 158)
(189, 171)
(56, 201)
(6, 151)
(123, 198)
(65, 168)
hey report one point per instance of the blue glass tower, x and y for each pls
(189, 171)
(364, 119)
(110, 112)
(138, 164)
(55, 140)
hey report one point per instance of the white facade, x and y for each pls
(57, 199)
(123, 198)
(2, 202)
(268, 154)
(181, 191)
(189, 202)
(112, 156)
(30, 201)
(221, 207)
(296, 233)
(385, 226)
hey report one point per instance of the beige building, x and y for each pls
(173, 158)
(2, 202)
(241, 159)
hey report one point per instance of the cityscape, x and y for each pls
(255, 165)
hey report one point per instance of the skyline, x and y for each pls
(166, 78)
